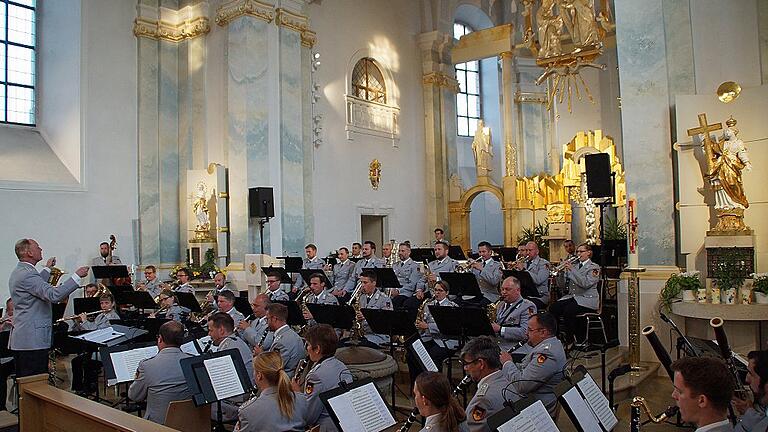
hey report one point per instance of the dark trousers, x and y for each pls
(85, 372)
(6, 369)
(565, 311)
(31, 362)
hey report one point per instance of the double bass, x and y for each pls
(120, 281)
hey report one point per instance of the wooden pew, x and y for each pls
(46, 408)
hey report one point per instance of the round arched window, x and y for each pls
(368, 81)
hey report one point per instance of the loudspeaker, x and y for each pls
(598, 167)
(260, 202)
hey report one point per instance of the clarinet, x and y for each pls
(634, 415)
(300, 368)
(207, 346)
(263, 337)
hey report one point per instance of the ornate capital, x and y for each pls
(234, 9)
(298, 23)
(441, 79)
(171, 25)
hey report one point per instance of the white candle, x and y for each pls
(633, 259)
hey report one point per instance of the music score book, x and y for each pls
(534, 418)
(358, 407)
(597, 402)
(125, 363)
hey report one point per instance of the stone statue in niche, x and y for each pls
(200, 208)
(482, 149)
(730, 158)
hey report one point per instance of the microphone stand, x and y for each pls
(687, 343)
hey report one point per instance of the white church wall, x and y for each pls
(70, 224)
(341, 190)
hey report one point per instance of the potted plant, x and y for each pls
(686, 284)
(760, 287)
(728, 276)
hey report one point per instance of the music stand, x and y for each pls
(189, 301)
(295, 316)
(292, 264)
(461, 284)
(461, 322)
(416, 347)
(355, 259)
(243, 306)
(139, 299)
(89, 304)
(307, 273)
(456, 253)
(337, 316)
(585, 404)
(533, 410)
(125, 370)
(376, 417)
(117, 289)
(506, 253)
(110, 272)
(152, 326)
(386, 278)
(423, 254)
(284, 276)
(527, 287)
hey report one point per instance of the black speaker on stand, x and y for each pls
(261, 205)
(600, 184)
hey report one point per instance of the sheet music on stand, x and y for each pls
(125, 362)
(196, 346)
(100, 336)
(533, 418)
(358, 407)
(597, 402)
(587, 406)
(416, 346)
(223, 376)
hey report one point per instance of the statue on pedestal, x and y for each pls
(200, 208)
(482, 149)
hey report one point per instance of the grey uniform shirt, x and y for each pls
(310, 264)
(176, 313)
(753, 420)
(277, 295)
(364, 263)
(324, 375)
(583, 287)
(255, 332)
(408, 275)
(262, 413)
(487, 401)
(342, 272)
(513, 319)
(377, 300)
(489, 278)
(539, 373)
(233, 341)
(538, 268)
(445, 265)
(432, 424)
(217, 291)
(186, 288)
(101, 321)
(325, 297)
(159, 381)
(290, 346)
(433, 333)
(236, 316)
(153, 287)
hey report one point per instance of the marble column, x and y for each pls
(643, 72)
(509, 206)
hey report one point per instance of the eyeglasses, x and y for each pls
(582, 251)
(531, 330)
(465, 363)
(164, 298)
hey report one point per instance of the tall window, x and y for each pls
(368, 81)
(17, 62)
(468, 97)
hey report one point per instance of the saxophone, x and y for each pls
(354, 300)
(422, 310)
(635, 415)
(492, 309)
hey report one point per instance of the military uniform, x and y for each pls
(262, 413)
(487, 401)
(290, 346)
(277, 295)
(154, 287)
(513, 319)
(721, 426)
(309, 264)
(236, 316)
(217, 291)
(433, 333)
(489, 278)
(432, 424)
(159, 381)
(186, 288)
(753, 420)
(538, 268)
(233, 341)
(583, 298)
(371, 262)
(445, 265)
(377, 300)
(540, 372)
(255, 332)
(342, 272)
(325, 375)
(85, 366)
(176, 313)
(101, 321)
(325, 297)
(408, 275)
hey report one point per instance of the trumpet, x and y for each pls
(519, 259)
(465, 267)
(562, 265)
(71, 317)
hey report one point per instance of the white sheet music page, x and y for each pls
(190, 348)
(223, 375)
(584, 415)
(362, 409)
(597, 401)
(534, 418)
(126, 362)
(426, 359)
(101, 335)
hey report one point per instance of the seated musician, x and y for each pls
(286, 341)
(512, 314)
(152, 285)
(342, 272)
(542, 368)
(357, 250)
(480, 359)
(371, 298)
(703, 391)
(442, 263)
(562, 281)
(277, 407)
(538, 268)
(311, 262)
(368, 260)
(219, 284)
(85, 368)
(183, 276)
(221, 329)
(169, 309)
(752, 412)
(319, 294)
(583, 296)
(7, 365)
(442, 411)
(326, 374)
(90, 290)
(226, 302)
(409, 276)
(438, 346)
(159, 379)
(274, 290)
(256, 332)
(488, 272)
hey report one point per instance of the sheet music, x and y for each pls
(126, 363)
(584, 415)
(362, 409)
(597, 402)
(100, 336)
(224, 378)
(426, 359)
(191, 347)
(534, 418)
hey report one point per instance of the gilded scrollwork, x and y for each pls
(231, 10)
(441, 79)
(162, 30)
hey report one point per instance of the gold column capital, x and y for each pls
(507, 55)
(172, 25)
(234, 9)
(441, 79)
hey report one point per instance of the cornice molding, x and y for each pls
(171, 25)
(298, 23)
(234, 9)
(441, 79)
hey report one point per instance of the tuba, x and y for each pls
(55, 276)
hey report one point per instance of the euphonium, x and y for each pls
(101, 291)
(55, 275)
(637, 404)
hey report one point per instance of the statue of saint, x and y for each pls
(730, 158)
(550, 29)
(200, 208)
(482, 149)
(580, 21)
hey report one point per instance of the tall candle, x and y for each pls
(633, 259)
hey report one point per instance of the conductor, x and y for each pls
(32, 296)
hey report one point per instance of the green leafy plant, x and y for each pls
(614, 230)
(536, 234)
(729, 273)
(675, 285)
(760, 283)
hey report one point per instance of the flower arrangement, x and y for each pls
(760, 282)
(205, 271)
(676, 284)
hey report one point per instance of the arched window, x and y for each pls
(368, 81)
(17, 62)
(468, 97)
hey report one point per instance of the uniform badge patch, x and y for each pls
(541, 358)
(531, 312)
(595, 272)
(478, 414)
(309, 388)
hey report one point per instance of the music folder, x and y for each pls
(461, 322)
(295, 315)
(284, 276)
(527, 287)
(121, 362)
(528, 415)
(189, 301)
(307, 273)
(386, 278)
(358, 407)
(109, 272)
(88, 304)
(243, 306)
(461, 284)
(416, 347)
(212, 377)
(337, 316)
(586, 405)
(116, 334)
(117, 289)
(422, 254)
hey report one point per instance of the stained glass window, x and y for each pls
(368, 81)
(468, 97)
(17, 61)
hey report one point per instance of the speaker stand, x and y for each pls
(262, 222)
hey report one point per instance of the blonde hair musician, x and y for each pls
(277, 407)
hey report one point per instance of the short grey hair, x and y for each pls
(483, 347)
(21, 247)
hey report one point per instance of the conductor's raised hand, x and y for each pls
(51, 262)
(82, 271)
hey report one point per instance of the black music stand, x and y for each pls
(527, 287)
(355, 259)
(419, 353)
(280, 271)
(295, 315)
(423, 254)
(507, 253)
(514, 409)
(461, 322)
(199, 380)
(152, 326)
(456, 253)
(386, 278)
(337, 316)
(307, 273)
(88, 304)
(110, 376)
(292, 264)
(110, 272)
(461, 284)
(139, 299)
(189, 301)
(118, 289)
(243, 306)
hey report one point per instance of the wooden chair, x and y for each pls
(183, 415)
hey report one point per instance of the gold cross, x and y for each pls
(705, 129)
